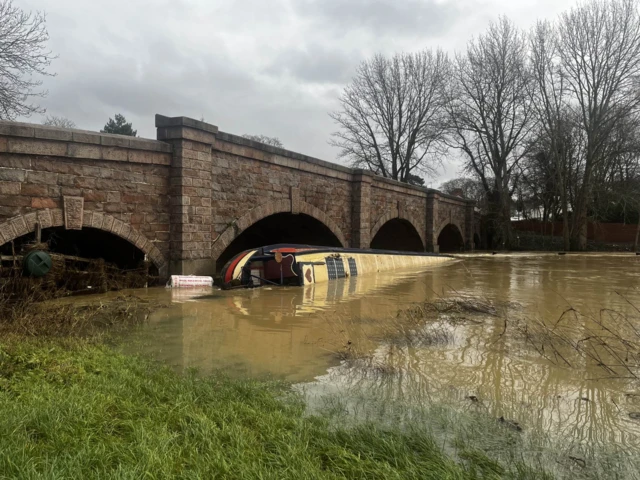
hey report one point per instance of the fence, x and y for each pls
(599, 232)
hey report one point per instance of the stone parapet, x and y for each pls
(268, 151)
(40, 140)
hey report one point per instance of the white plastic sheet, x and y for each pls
(185, 281)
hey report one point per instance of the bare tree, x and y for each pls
(599, 48)
(392, 115)
(490, 116)
(273, 141)
(23, 56)
(553, 144)
(60, 122)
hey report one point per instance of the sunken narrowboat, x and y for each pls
(307, 264)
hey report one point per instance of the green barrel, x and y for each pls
(37, 263)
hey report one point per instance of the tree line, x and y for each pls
(547, 121)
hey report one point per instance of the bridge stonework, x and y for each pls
(184, 198)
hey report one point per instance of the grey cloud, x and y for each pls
(383, 17)
(170, 83)
(316, 63)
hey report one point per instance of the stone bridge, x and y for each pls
(197, 196)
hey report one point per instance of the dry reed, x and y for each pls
(609, 339)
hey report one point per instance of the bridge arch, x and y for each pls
(21, 225)
(274, 209)
(450, 238)
(408, 222)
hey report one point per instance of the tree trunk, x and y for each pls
(579, 232)
(507, 233)
(565, 209)
(635, 243)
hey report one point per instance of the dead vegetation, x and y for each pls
(68, 275)
(461, 305)
(28, 305)
(31, 314)
(609, 339)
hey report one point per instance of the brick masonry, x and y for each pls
(182, 199)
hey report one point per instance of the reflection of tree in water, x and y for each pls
(561, 410)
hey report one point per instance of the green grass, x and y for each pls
(76, 409)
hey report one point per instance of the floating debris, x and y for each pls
(67, 275)
(510, 424)
(580, 461)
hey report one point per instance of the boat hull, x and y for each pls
(305, 265)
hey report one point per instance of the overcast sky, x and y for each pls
(272, 67)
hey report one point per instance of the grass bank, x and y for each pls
(75, 408)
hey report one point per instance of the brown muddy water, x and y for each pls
(553, 355)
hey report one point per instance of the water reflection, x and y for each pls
(295, 333)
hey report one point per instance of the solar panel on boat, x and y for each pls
(340, 268)
(335, 268)
(353, 268)
(331, 268)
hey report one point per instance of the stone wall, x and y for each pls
(121, 181)
(247, 175)
(449, 209)
(391, 199)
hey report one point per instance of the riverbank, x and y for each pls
(76, 407)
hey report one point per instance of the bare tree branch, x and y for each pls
(23, 56)
(273, 141)
(60, 122)
(392, 116)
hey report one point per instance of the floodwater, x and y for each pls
(557, 352)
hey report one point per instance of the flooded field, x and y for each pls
(542, 345)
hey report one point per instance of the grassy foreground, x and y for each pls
(77, 409)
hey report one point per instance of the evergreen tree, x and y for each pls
(119, 126)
